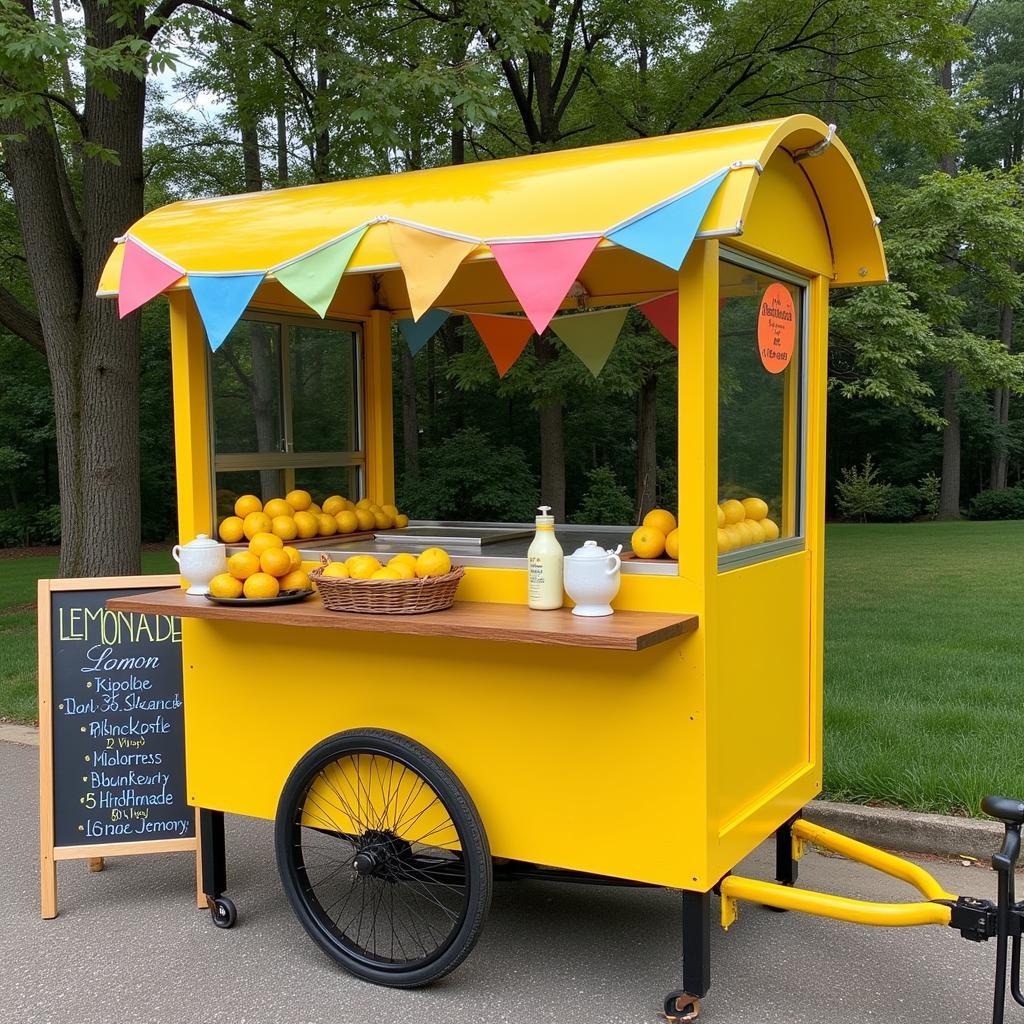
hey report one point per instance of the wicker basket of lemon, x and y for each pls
(406, 585)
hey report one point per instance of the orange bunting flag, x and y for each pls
(428, 261)
(663, 314)
(504, 336)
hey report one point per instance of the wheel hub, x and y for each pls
(379, 854)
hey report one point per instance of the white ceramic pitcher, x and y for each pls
(200, 560)
(591, 577)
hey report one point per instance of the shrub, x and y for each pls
(901, 504)
(1008, 504)
(929, 488)
(606, 502)
(29, 524)
(860, 494)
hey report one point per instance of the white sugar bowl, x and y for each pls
(200, 560)
(591, 577)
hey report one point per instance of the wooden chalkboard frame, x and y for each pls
(49, 854)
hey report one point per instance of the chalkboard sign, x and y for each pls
(111, 714)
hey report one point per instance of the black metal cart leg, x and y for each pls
(215, 880)
(685, 1005)
(787, 867)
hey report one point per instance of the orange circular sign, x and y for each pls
(776, 328)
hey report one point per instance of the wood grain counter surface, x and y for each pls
(472, 620)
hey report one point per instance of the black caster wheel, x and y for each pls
(223, 912)
(681, 1006)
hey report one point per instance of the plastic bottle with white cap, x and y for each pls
(544, 561)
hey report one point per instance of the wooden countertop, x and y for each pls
(473, 620)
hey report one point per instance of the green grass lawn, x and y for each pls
(18, 627)
(924, 664)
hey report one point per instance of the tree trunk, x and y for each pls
(410, 416)
(646, 448)
(949, 495)
(282, 147)
(1001, 409)
(552, 441)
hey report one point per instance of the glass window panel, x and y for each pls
(323, 483)
(264, 483)
(322, 377)
(246, 388)
(758, 410)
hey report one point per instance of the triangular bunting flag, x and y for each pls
(667, 232)
(428, 262)
(541, 273)
(221, 300)
(663, 314)
(314, 278)
(504, 336)
(143, 276)
(591, 336)
(418, 334)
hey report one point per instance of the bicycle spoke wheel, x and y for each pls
(383, 857)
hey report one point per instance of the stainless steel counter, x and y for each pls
(494, 545)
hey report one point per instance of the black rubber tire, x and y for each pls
(475, 861)
(223, 912)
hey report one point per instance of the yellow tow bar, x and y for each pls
(784, 897)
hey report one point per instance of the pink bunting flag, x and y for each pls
(143, 276)
(504, 336)
(540, 274)
(663, 314)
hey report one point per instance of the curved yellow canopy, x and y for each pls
(567, 192)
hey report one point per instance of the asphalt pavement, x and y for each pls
(129, 947)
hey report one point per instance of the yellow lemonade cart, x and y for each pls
(408, 761)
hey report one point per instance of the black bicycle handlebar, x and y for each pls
(1010, 812)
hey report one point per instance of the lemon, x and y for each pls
(755, 508)
(225, 585)
(247, 503)
(243, 564)
(362, 567)
(382, 520)
(724, 542)
(648, 542)
(299, 500)
(295, 580)
(365, 519)
(334, 504)
(293, 554)
(315, 508)
(404, 556)
(306, 524)
(401, 522)
(756, 530)
(363, 503)
(231, 530)
(737, 537)
(261, 584)
(278, 507)
(404, 569)
(350, 506)
(721, 516)
(276, 562)
(672, 544)
(433, 562)
(386, 573)
(660, 519)
(284, 527)
(336, 571)
(327, 526)
(255, 522)
(347, 522)
(389, 510)
(734, 511)
(771, 529)
(261, 541)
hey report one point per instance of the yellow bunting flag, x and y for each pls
(428, 262)
(591, 336)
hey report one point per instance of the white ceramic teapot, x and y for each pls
(200, 560)
(591, 577)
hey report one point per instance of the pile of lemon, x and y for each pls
(297, 517)
(744, 523)
(431, 562)
(658, 535)
(264, 570)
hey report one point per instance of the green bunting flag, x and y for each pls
(591, 336)
(314, 278)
